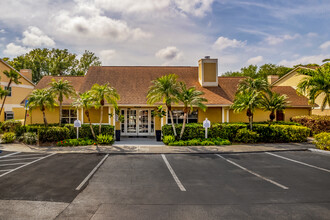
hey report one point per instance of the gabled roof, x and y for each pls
(28, 80)
(290, 73)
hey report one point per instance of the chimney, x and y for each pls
(272, 78)
(27, 73)
(208, 72)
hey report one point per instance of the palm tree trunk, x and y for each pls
(172, 122)
(184, 123)
(101, 118)
(90, 124)
(45, 120)
(251, 121)
(60, 114)
(4, 100)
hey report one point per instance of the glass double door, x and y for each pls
(138, 122)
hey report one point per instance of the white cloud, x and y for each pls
(15, 50)
(312, 34)
(106, 57)
(325, 45)
(255, 60)
(2, 31)
(223, 43)
(169, 53)
(304, 60)
(195, 7)
(34, 37)
(95, 27)
(273, 40)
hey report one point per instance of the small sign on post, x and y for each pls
(77, 124)
(206, 125)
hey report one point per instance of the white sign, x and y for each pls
(206, 123)
(77, 124)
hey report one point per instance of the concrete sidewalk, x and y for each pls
(160, 149)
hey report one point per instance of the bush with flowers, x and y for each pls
(76, 142)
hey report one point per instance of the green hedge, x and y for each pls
(85, 131)
(53, 134)
(316, 123)
(264, 132)
(11, 125)
(322, 141)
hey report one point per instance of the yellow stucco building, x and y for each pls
(13, 108)
(292, 79)
(132, 84)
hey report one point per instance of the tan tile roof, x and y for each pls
(132, 82)
(229, 85)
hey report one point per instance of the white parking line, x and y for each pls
(26, 155)
(253, 173)
(10, 164)
(295, 161)
(8, 155)
(4, 170)
(26, 164)
(31, 158)
(175, 177)
(91, 173)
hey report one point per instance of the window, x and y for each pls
(69, 116)
(178, 117)
(9, 90)
(9, 115)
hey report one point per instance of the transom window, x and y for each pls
(178, 117)
(69, 116)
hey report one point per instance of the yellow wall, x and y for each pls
(95, 115)
(260, 115)
(319, 112)
(36, 117)
(213, 114)
(18, 93)
(157, 122)
(200, 71)
(210, 70)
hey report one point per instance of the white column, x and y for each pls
(109, 118)
(82, 115)
(166, 118)
(113, 117)
(223, 115)
(227, 114)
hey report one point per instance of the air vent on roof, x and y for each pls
(207, 57)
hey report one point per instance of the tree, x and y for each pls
(13, 76)
(84, 100)
(102, 93)
(316, 84)
(43, 99)
(248, 101)
(325, 60)
(262, 72)
(190, 97)
(55, 62)
(164, 89)
(249, 84)
(61, 89)
(273, 102)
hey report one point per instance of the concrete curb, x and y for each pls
(319, 151)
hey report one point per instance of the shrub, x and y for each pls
(316, 123)
(11, 125)
(8, 137)
(76, 142)
(322, 141)
(245, 135)
(86, 132)
(29, 138)
(105, 139)
(200, 142)
(168, 139)
(53, 134)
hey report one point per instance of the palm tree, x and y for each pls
(84, 100)
(42, 98)
(13, 76)
(273, 102)
(248, 101)
(190, 97)
(316, 84)
(249, 84)
(102, 93)
(325, 60)
(164, 89)
(61, 89)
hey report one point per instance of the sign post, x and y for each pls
(77, 124)
(206, 125)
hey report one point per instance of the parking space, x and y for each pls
(208, 186)
(44, 177)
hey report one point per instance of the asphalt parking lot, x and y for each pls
(276, 185)
(43, 177)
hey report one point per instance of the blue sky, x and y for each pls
(171, 32)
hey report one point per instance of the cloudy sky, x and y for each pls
(171, 32)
